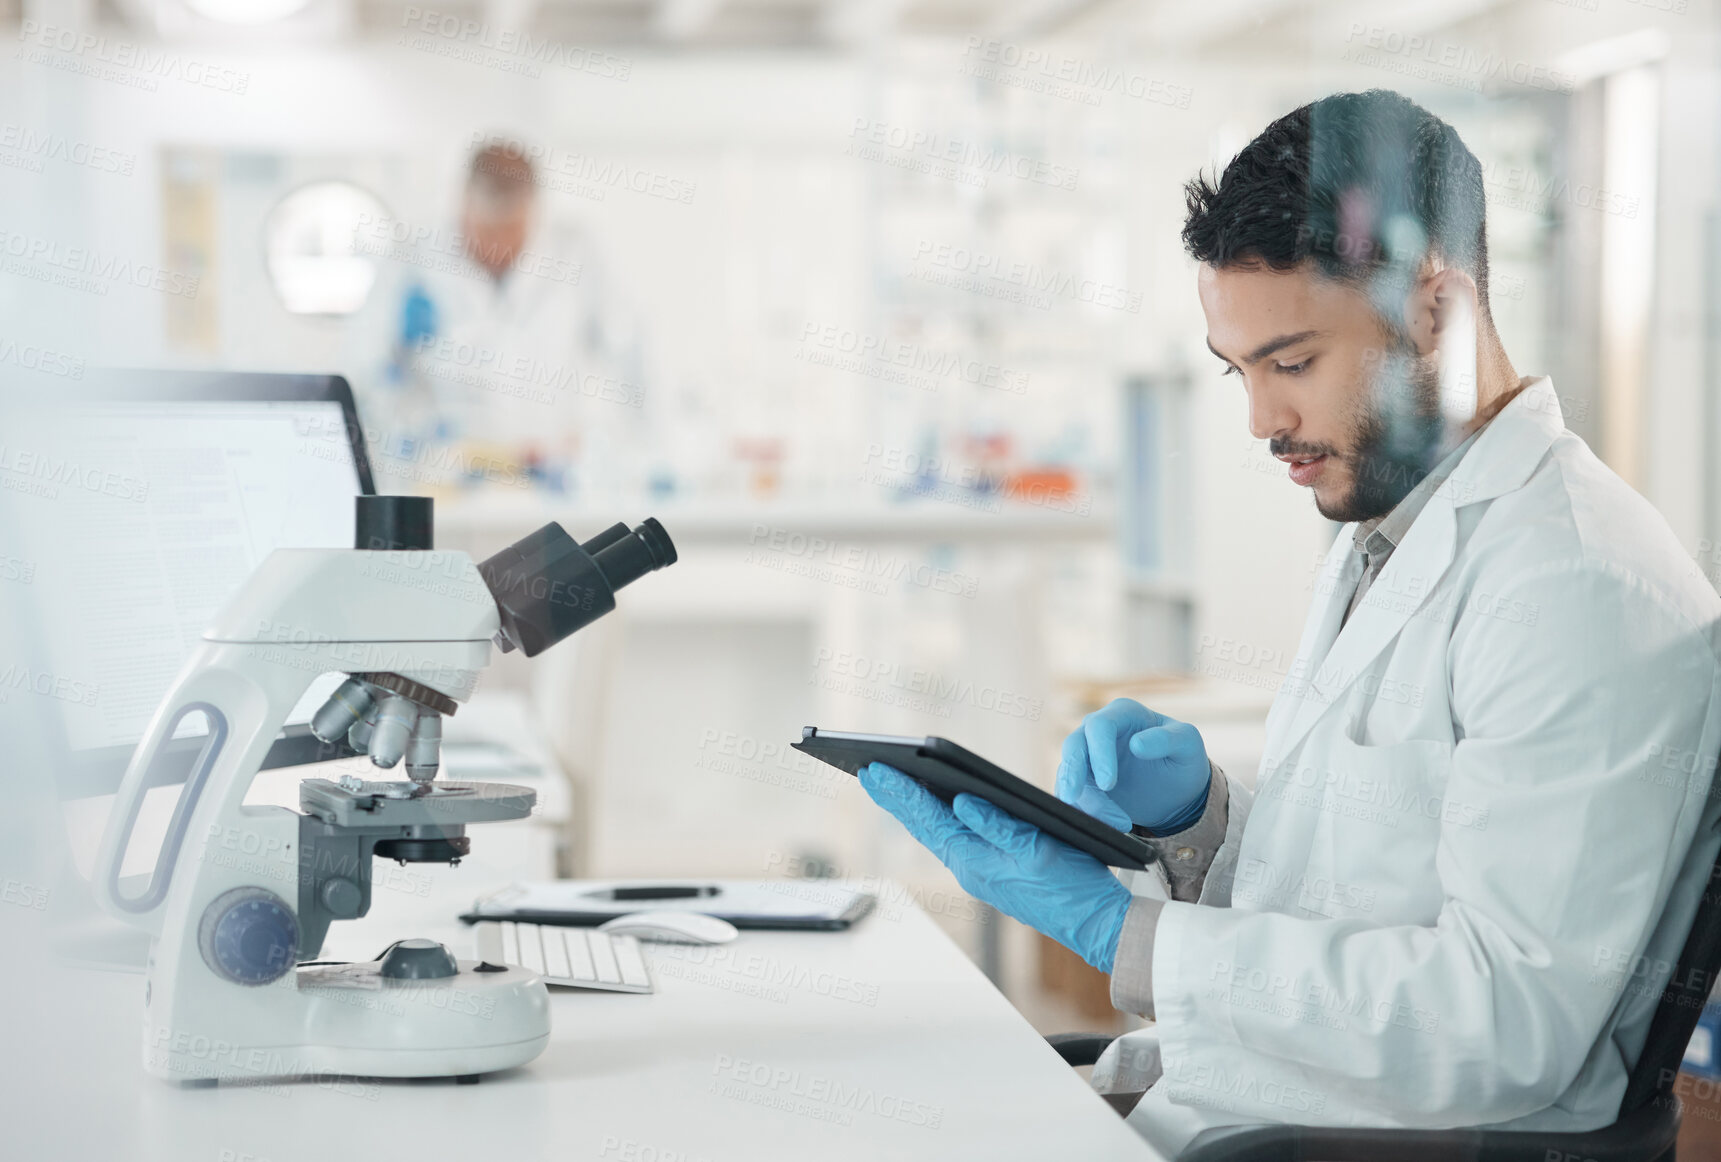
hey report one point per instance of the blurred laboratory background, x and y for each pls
(878, 305)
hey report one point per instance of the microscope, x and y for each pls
(242, 895)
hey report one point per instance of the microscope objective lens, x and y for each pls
(394, 723)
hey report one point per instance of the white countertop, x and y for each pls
(881, 1042)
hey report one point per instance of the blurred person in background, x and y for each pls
(509, 345)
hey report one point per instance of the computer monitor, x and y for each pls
(143, 500)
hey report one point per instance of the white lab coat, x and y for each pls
(513, 355)
(547, 357)
(1441, 905)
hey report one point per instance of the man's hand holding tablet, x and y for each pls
(1126, 766)
(1014, 866)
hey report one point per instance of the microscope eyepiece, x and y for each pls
(547, 585)
(631, 555)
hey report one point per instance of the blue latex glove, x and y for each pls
(1128, 765)
(417, 316)
(1014, 866)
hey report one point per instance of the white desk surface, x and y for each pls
(802, 1045)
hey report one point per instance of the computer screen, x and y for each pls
(140, 517)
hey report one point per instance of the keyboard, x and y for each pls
(581, 958)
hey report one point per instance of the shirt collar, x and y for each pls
(1380, 536)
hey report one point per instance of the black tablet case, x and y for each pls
(946, 770)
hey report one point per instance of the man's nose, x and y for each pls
(1269, 412)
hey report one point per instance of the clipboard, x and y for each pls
(947, 770)
(779, 905)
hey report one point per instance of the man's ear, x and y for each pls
(1444, 298)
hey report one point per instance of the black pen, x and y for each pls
(654, 892)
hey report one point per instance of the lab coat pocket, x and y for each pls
(1382, 808)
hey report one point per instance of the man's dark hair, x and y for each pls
(1365, 184)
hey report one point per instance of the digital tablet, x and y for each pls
(947, 770)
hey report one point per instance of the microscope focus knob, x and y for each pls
(249, 936)
(341, 897)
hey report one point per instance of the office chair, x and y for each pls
(1649, 1113)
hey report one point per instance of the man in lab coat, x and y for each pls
(509, 337)
(1484, 815)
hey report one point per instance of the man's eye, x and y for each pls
(1294, 368)
(1230, 369)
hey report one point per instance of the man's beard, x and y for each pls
(1395, 441)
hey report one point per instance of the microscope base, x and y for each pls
(346, 1020)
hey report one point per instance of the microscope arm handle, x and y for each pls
(146, 771)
